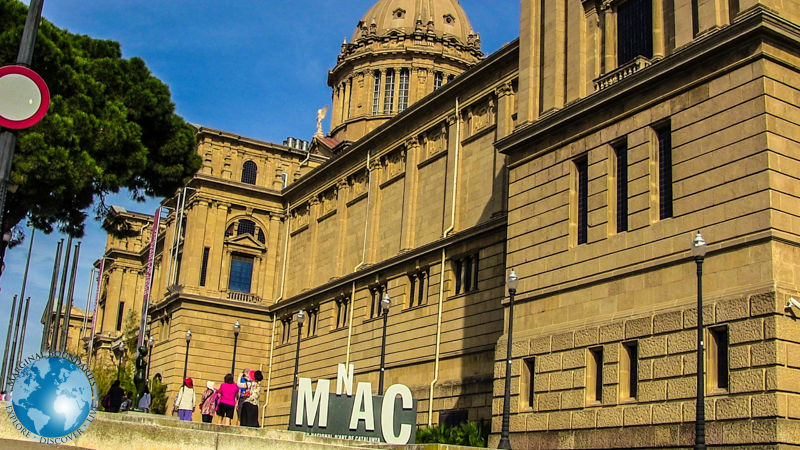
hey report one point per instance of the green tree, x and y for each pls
(111, 126)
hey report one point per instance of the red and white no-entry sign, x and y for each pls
(24, 97)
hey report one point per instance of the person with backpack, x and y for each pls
(208, 402)
(248, 416)
(185, 401)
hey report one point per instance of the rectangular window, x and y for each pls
(286, 333)
(459, 268)
(422, 287)
(341, 312)
(438, 77)
(376, 94)
(665, 173)
(349, 97)
(285, 179)
(388, 92)
(120, 315)
(241, 273)
(634, 30)
(311, 323)
(527, 388)
(402, 102)
(629, 370)
(621, 152)
(582, 168)
(375, 303)
(594, 375)
(466, 274)
(718, 368)
(165, 329)
(204, 267)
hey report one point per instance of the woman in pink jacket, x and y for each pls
(228, 391)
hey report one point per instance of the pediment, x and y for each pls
(247, 241)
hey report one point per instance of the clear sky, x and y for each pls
(255, 68)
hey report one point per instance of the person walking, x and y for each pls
(144, 402)
(115, 395)
(228, 392)
(208, 402)
(248, 416)
(185, 401)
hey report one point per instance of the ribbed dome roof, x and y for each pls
(407, 15)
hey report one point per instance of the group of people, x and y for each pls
(232, 395)
(117, 399)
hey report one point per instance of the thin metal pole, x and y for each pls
(149, 357)
(27, 265)
(61, 293)
(297, 354)
(88, 298)
(186, 360)
(8, 344)
(8, 138)
(383, 351)
(70, 294)
(233, 361)
(48, 311)
(22, 333)
(505, 443)
(700, 415)
(13, 357)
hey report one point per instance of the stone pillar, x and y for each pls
(410, 195)
(711, 15)
(448, 179)
(382, 92)
(594, 51)
(314, 208)
(530, 61)
(273, 252)
(659, 37)
(374, 192)
(335, 107)
(610, 40)
(341, 223)
(684, 33)
(396, 91)
(196, 223)
(215, 256)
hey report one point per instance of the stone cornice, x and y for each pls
(692, 55)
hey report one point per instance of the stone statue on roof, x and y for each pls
(321, 115)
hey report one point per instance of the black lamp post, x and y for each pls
(150, 343)
(119, 363)
(186, 360)
(301, 317)
(236, 329)
(699, 249)
(511, 283)
(386, 303)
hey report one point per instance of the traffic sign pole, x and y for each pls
(8, 138)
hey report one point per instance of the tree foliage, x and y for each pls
(468, 434)
(111, 126)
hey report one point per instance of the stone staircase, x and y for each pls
(135, 431)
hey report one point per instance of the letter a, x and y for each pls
(362, 408)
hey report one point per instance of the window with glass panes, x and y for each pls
(376, 94)
(241, 273)
(634, 30)
(402, 101)
(388, 92)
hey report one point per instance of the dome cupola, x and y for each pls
(401, 50)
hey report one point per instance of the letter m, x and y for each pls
(311, 404)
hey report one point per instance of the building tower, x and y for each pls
(401, 51)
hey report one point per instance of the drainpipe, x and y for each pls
(441, 270)
(285, 252)
(363, 258)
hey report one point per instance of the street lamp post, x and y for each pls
(150, 343)
(699, 249)
(301, 317)
(236, 329)
(386, 303)
(119, 363)
(186, 359)
(511, 283)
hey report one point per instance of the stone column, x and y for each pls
(610, 40)
(336, 106)
(341, 224)
(382, 92)
(273, 252)
(448, 179)
(376, 169)
(196, 222)
(215, 256)
(594, 51)
(659, 43)
(396, 93)
(314, 208)
(684, 33)
(530, 61)
(711, 15)
(410, 195)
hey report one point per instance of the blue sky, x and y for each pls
(255, 68)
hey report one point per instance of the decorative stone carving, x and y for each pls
(300, 217)
(359, 184)
(329, 200)
(504, 90)
(482, 116)
(435, 140)
(395, 163)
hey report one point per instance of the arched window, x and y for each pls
(376, 93)
(402, 100)
(388, 92)
(249, 172)
(229, 231)
(451, 78)
(261, 237)
(246, 227)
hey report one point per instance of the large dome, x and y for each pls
(443, 17)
